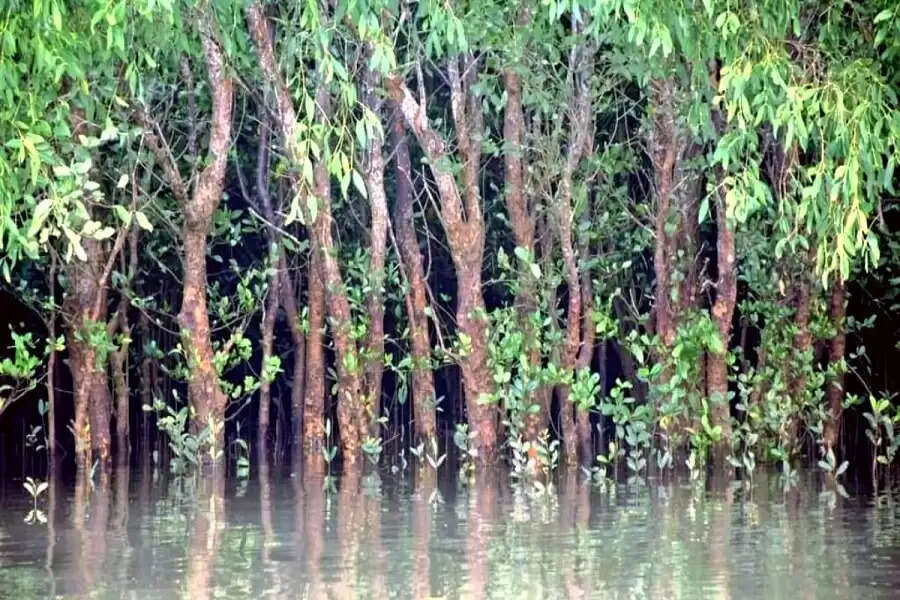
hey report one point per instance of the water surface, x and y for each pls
(408, 537)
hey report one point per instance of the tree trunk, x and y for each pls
(289, 302)
(268, 338)
(349, 368)
(314, 396)
(85, 312)
(837, 349)
(204, 391)
(373, 175)
(423, 396)
(722, 313)
(586, 352)
(463, 224)
(522, 220)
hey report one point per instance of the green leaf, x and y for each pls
(142, 221)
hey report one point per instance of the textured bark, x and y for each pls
(578, 148)
(423, 396)
(586, 352)
(463, 224)
(523, 223)
(664, 153)
(837, 350)
(722, 314)
(268, 339)
(273, 299)
(298, 383)
(204, 391)
(84, 309)
(314, 392)
(373, 176)
(350, 389)
(148, 387)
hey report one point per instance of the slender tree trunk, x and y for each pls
(348, 362)
(837, 349)
(522, 220)
(314, 398)
(52, 451)
(268, 338)
(423, 396)
(463, 224)
(148, 385)
(722, 314)
(373, 175)
(586, 352)
(298, 337)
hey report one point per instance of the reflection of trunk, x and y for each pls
(835, 391)
(347, 359)
(482, 512)
(314, 527)
(421, 533)
(464, 226)
(722, 313)
(206, 537)
(522, 221)
(349, 521)
(423, 397)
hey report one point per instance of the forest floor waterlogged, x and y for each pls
(134, 536)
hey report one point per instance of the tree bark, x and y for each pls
(423, 396)
(523, 222)
(298, 337)
(349, 369)
(722, 314)
(463, 224)
(314, 392)
(85, 310)
(837, 350)
(204, 391)
(373, 176)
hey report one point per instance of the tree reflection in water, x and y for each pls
(372, 536)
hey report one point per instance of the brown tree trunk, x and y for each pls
(204, 391)
(586, 352)
(522, 220)
(463, 224)
(423, 396)
(348, 363)
(298, 337)
(314, 397)
(148, 386)
(52, 450)
(268, 338)
(85, 311)
(837, 349)
(579, 146)
(664, 153)
(373, 176)
(722, 313)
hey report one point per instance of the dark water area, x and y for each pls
(279, 536)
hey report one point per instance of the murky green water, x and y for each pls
(131, 537)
